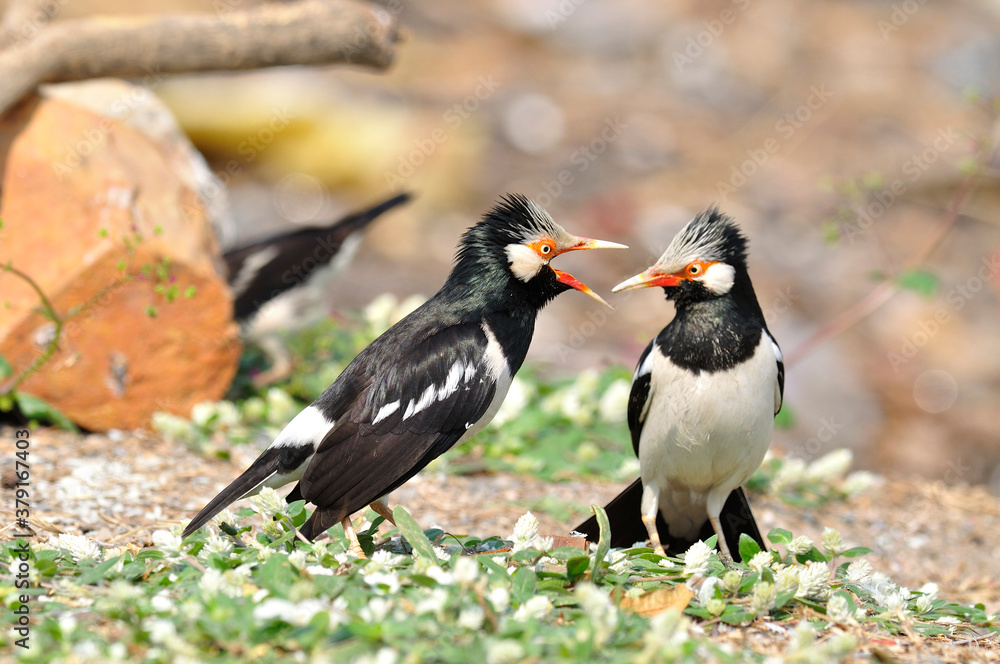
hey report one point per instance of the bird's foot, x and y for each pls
(355, 546)
(382, 509)
(654, 535)
(724, 555)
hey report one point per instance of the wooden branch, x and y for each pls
(310, 32)
(25, 18)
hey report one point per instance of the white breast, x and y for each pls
(705, 434)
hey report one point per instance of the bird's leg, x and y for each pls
(281, 361)
(381, 508)
(352, 538)
(650, 508)
(723, 545)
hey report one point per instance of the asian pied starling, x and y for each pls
(431, 381)
(703, 400)
(270, 280)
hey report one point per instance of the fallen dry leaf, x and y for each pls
(655, 601)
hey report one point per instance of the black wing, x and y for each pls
(411, 412)
(638, 398)
(264, 270)
(779, 395)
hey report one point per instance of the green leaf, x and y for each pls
(748, 547)
(736, 615)
(919, 281)
(6, 371)
(524, 582)
(779, 536)
(856, 551)
(603, 542)
(813, 554)
(577, 567)
(421, 546)
(36, 409)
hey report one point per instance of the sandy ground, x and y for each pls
(120, 490)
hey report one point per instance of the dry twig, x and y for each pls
(310, 32)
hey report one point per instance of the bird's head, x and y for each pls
(702, 262)
(517, 239)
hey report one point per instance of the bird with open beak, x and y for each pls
(704, 396)
(430, 382)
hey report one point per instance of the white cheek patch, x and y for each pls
(719, 278)
(524, 262)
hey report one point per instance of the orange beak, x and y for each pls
(650, 278)
(573, 282)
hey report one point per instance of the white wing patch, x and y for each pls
(777, 351)
(385, 411)
(251, 266)
(646, 367)
(306, 428)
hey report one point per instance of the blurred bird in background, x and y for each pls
(703, 400)
(431, 381)
(269, 277)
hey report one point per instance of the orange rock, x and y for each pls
(94, 214)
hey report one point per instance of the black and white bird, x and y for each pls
(271, 280)
(431, 381)
(704, 397)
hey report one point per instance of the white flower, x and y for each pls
(787, 579)
(167, 542)
(466, 570)
(534, 609)
(378, 313)
(297, 558)
(225, 516)
(504, 651)
(228, 583)
(696, 559)
(731, 581)
(814, 580)
(764, 597)
(267, 503)
(614, 402)
(618, 561)
(384, 655)
(296, 614)
(440, 575)
(524, 533)
(471, 618)
(858, 481)
(790, 474)
(858, 570)
(706, 592)
(220, 545)
(376, 610)
(383, 582)
(499, 597)
(838, 610)
(760, 560)
(161, 603)
(924, 604)
(800, 545)
(895, 605)
(833, 542)
(80, 547)
(668, 630)
(930, 589)
(715, 606)
(173, 426)
(441, 553)
(383, 559)
(519, 395)
(432, 602)
(281, 407)
(600, 609)
(830, 466)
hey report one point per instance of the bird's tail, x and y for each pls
(625, 516)
(361, 219)
(270, 465)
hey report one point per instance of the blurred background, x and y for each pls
(842, 136)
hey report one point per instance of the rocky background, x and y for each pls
(839, 134)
